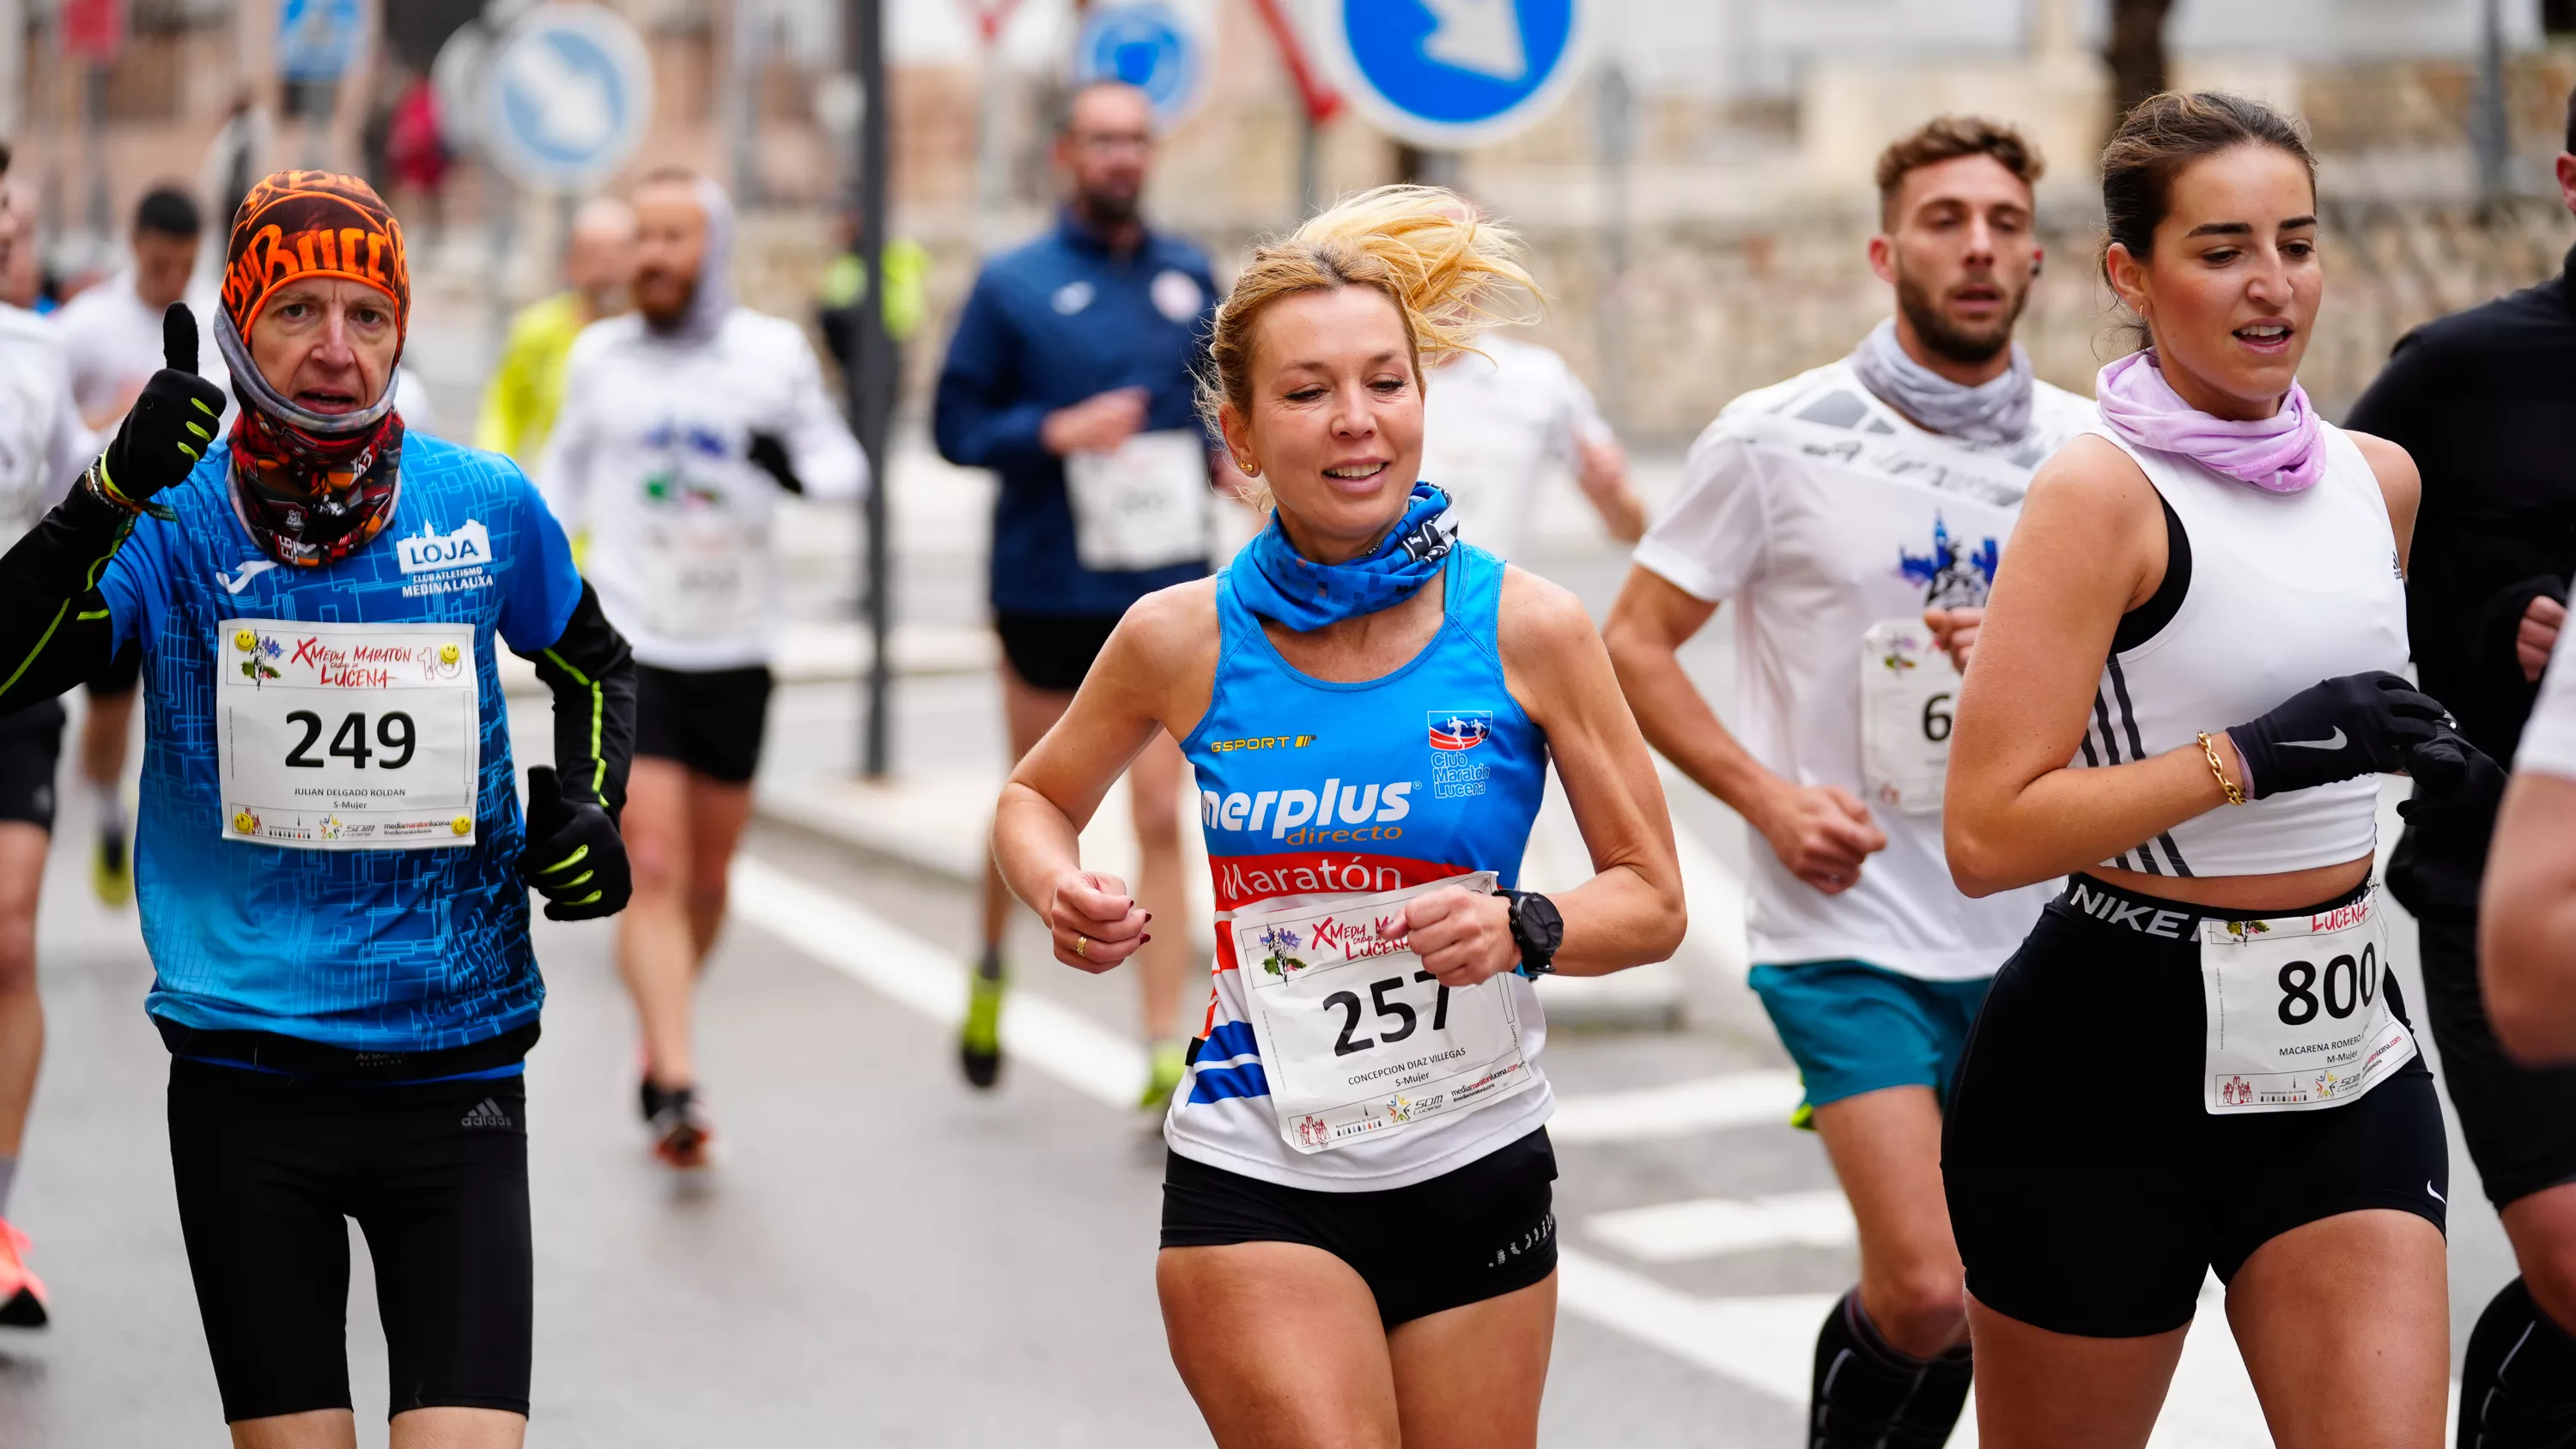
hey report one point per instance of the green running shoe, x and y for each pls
(1163, 1077)
(979, 1041)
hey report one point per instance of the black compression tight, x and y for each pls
(2518, 1386)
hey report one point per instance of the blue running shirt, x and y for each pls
(1310, 789)
(368, 950)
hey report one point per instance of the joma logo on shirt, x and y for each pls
(469, 546)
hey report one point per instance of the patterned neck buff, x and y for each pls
(1277, 582)
(311, 487)
(2284, 453)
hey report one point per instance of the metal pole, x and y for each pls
(1615, 142)
(2488, 130)
(1310, 170)
(871, 374)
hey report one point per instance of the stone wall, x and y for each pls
(1709, 309)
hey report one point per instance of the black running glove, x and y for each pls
(2440, 861)
(574, 857)
(769, 455)
(173, 422)
(2337, 729)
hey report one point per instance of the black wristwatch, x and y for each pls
(1536, 928)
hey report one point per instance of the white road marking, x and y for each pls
(1763, 1343)
(1682, 1109)
(874, 951)
(1708, 1227)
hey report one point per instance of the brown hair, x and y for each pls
(1947, 138)
(2160, 139)
(1446, 271)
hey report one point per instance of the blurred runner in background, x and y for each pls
(1495, 420)
(845, 286)
(683, 424)
(1837, 508)
(526, 389)
(2483, 401)
(1072, 376)
(42, 449)
(112, 334)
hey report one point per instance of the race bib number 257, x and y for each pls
(1357, 1040)
(348, 736)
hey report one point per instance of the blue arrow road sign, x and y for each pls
(1148, 46)
(315, 38)
(1448, 73)
(567, 97)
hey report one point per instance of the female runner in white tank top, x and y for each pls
(2182, 699)
(1375, 1267)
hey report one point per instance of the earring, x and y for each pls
(1248, 470)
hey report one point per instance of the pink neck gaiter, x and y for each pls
(2284, 453)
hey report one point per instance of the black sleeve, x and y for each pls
(54, 626)
(592, 677)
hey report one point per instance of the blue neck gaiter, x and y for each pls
(1280, 584)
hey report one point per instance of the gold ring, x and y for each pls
(1082, 947)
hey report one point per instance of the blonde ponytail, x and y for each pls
(1450, 275)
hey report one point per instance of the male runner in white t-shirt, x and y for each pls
(112, 336)
(1837, 509)
(1495, 420)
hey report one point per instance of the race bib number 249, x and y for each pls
(348, 736)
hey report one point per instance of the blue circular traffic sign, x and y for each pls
(1450, 73)
(567, 95)
(1150, 47)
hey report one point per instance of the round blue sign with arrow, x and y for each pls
(1450, 73)
(566, 97)
(1150, 47)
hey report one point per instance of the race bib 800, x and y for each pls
(348, 736)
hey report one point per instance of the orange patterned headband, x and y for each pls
(298, 224)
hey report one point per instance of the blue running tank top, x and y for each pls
(1310, 789)
(409, 950)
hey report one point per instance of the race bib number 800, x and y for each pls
(348, 736)
(2298, 1013)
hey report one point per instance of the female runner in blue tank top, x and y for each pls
(2185, 692)
(1359, 1165)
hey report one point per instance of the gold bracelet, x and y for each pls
(2209, 748)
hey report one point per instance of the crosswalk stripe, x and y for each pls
(1682, 1109)
(1709, 1227)
(874, 951)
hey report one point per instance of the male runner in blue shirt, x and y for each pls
(1072, 376)
(330, 857)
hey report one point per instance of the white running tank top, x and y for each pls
(2285, 590)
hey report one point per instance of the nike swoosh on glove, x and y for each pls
(2336, 729)
(574, 857)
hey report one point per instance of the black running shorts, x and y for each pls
(1472, 1233)
(710, 721)
(122, 673)
(1053, 651)
(2520, 1124)
(2090, 1189)
(436, 1175)
(31, 745)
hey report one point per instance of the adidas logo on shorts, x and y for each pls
(486, 1113)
